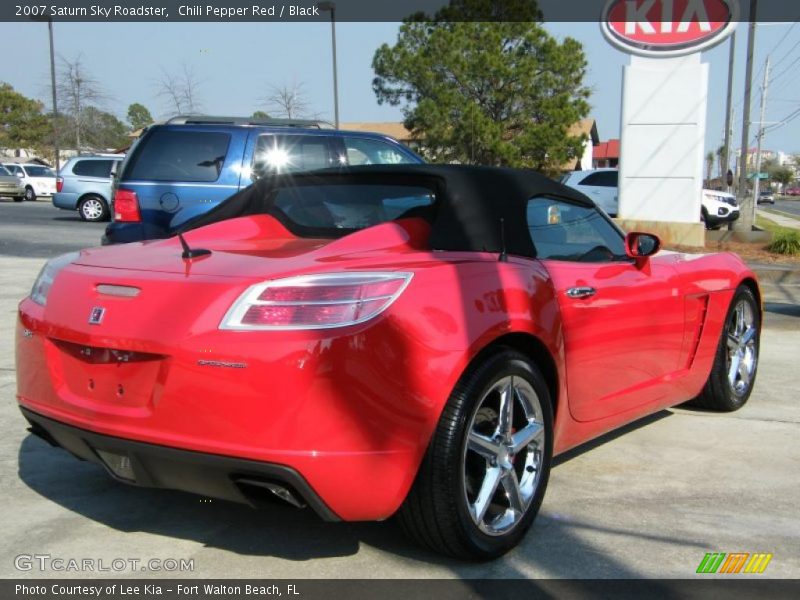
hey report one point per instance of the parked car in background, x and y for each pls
(792, 191)
(601, 185)
(183, 168)
(11, 185)
(766, 197)
(718, 209)
(37, 180)
(84, 184)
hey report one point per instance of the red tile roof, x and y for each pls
(605, 150)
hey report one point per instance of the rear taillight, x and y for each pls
(315, 301)
(59, 184)
(126, 207)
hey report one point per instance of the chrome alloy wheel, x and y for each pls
(92, 209)
(503, 455)
(742, 348)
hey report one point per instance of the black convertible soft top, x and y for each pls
(471, 201)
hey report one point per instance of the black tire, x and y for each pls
(93, 209)
(30, 195)
(436, 512)
(19, 198)
(719, 394)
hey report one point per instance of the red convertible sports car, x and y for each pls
(410, 340)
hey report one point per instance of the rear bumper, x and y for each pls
(151, 465)
(9, 192)
(65, 200)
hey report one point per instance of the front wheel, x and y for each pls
(30, 195)
(485, 472)
(734, 372)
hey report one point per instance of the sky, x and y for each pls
(237, 62)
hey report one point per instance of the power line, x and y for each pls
(776, 46)
(786, 70)
(785, 56)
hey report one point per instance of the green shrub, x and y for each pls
(786, 243)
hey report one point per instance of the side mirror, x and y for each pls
(641, 246)
(20, 175)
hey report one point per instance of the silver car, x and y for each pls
(10, 185)
(84, 184)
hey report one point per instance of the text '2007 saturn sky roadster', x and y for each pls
(404, 340)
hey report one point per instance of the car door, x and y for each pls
(602, 187)
(622, 326)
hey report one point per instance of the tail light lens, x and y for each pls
(126, 207)
(43, 283)
(59, 184)
(315, 301)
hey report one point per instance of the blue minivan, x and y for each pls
(180, 169)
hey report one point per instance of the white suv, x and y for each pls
(37, 180)
(602, 186)
(718, 208)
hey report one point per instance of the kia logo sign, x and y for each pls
(668, 28)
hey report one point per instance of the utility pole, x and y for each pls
(53, 89)
(726, 152)
(745, 222)
(756, 178)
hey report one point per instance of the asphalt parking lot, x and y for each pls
(647, 501)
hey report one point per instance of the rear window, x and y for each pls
(39, 171)
(4, 171)
(93, 168)
(602, 179)
(335, 210)
(168, 155)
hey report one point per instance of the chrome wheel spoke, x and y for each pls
(748, 336)
(489, 486)
(736, 360)
(744, 371)
(506, 418)
(533, 432)
(740, 324)
(733, 342)
(482, 445)
(513, 493)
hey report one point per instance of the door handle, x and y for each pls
(581, 292)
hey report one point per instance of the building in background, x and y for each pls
(606, 155)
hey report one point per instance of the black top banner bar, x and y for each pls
(365, 10)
